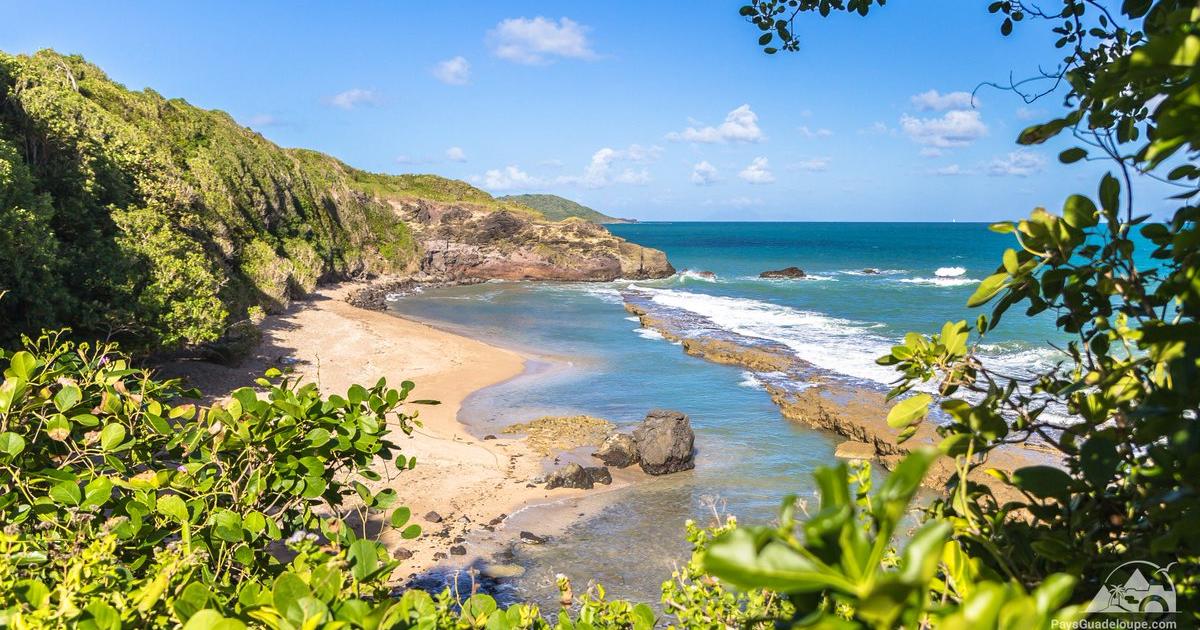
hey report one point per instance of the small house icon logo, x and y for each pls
(1147, 588)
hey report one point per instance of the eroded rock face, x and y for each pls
(786, 272)
(570, 476)
(618, 450)
(665, 442)
(466, 242)
(599, 474)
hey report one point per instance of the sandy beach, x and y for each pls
(468, 482)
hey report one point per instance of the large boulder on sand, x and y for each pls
(570, 476)
(618, 450)
(665, 442)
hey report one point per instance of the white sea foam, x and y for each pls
(877, 272)
(692, 275)
(949, 272)
(835, 344)
(749, 379)
(940, 281)
(648, 333)
(632, 319)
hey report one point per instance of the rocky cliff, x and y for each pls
(467, 241)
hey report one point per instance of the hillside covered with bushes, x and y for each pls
(146, 219)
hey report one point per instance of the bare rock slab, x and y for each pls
(852, 449)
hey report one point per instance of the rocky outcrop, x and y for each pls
(729, 353)
(570, 476)
(871, 271)
(576, 476)
(786, 272)
(552, 434)
(466, 241)
(665, 442)
(618, 450)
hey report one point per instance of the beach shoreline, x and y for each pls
(472, 484)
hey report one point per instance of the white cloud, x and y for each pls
(741, 125)
(703, 173)
(950, 171)
(538, 41)
(813, 133)
(955, 128)
(604, 169)
(757, 172)
(456, 71)
(1017, 164)
(456, 154)
(935, 101)
(353, 98)
(931, 152)
(506, 178)
(876, 128)
(811, 165)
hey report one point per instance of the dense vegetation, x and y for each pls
(558, 208)
(131, 216)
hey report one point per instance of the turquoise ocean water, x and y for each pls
(599, 362)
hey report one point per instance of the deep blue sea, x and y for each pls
(596, 360)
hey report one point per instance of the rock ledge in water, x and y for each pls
(786, 272)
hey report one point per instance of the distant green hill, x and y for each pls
(557, 208)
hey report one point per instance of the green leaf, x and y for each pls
(22, 364)
(209, 619)
(66, 493)
(1072, 155)
(67, 397)
(400, 516)
(227, 525)
(1079, 212)
(364, 559)
(909, 410)
(1042, 481)
(1099, 460)
(288, 590)
(748, 558)
(410, 532)
(987, 289)
(111, 436)
(173, 506)
(11, 444)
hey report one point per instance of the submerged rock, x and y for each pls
(501, 571)
(618, 450)
(532, 538)
(786, 272)
(665, 442)
(871, 271)
(570, 476)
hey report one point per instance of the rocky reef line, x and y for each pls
(806, 394)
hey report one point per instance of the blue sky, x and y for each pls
(649, 110)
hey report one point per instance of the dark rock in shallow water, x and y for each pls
(618, 450)
(665, 442)
(569, 476)
(871, 271)
(433, 517)
(532, 538)
(786, 272)
(599, 474)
